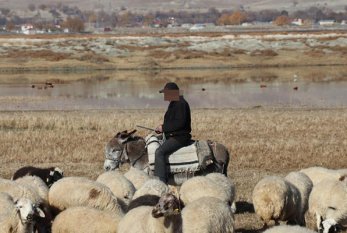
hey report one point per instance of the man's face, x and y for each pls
(171, 95)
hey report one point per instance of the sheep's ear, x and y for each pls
(40, 212)
(57, 169)
(342, 178)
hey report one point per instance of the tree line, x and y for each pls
(76, 18)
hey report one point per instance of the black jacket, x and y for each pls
(177, 122)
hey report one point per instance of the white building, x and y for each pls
(326, 22)
(196, 27)
(298, 22)
(27, 29)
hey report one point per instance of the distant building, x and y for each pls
(157, 23)
(298, 22)
(326, 22)
(186, 25)
(27, 29)
(246, 24)
(196, 27)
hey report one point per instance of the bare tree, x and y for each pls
(238, 17)
(282, 20)
(74, 24)
(223, 20)
(295, 3)
(10, 26)
(32, 7)
(5, 11)
(43, 7)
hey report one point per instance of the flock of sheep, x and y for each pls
(315, 197)
(42, 200)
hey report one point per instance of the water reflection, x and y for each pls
(110, 91)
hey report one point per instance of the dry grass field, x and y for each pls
(261, 141)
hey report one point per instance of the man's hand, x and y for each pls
(159, 129)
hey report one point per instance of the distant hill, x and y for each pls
(166, 5)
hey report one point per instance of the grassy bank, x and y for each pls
(261, 141)
(84, 53)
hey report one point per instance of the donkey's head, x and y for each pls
(115, 150)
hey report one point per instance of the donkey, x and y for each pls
(125, 147)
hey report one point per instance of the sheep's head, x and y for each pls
(27, 210)
(55, 174)
(168, 204)
(329, 226)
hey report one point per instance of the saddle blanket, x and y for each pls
(187, 159)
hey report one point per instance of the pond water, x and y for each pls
(111, 91)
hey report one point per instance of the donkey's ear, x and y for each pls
(132, 132)
(121, 134)
(123, 138)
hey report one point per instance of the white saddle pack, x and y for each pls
(187, 159)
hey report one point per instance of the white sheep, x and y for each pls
(327, 203)
(207, 215)
(81, 191)
(152, 187)
(17, 216)
(317, 174)
(153, 219)
(204, 215)
(276, 199)
(137, 177)
(28, 190)
(343, 171)
(148, 194)
(201, 186)
(36, 183)
(120, 186)
(17, 191)
(140, 220)
(288, 229)
(85, 220)
(304, 185)
(227, 184)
